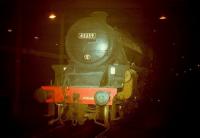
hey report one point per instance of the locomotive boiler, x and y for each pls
(100, 76)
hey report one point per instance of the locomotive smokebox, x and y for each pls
(100, 16)
(90, 41)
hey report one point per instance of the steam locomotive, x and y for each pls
(101, 75)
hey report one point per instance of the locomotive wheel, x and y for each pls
(106, 116)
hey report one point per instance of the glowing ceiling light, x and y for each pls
(162, 17)
(36, 37)
(182, 57)
(52, 16)
(10, 30)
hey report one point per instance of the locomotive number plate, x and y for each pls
(88, 36)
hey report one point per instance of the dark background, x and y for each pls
(171, 102)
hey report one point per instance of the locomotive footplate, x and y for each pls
(55, 94)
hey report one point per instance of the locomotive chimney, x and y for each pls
(100, 16)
